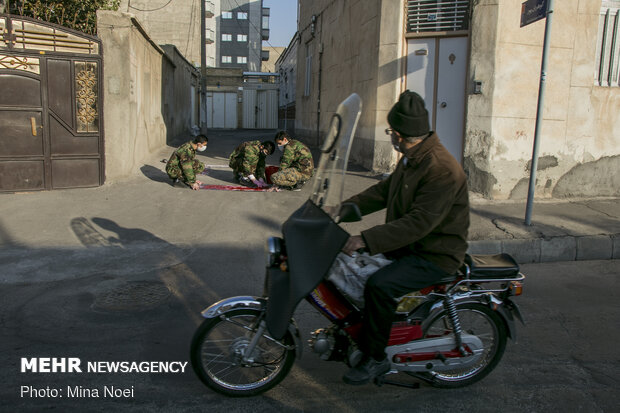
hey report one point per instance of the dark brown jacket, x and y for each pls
(427, 207)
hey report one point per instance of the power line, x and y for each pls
(135, 8)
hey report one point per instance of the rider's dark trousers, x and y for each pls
(404, 275)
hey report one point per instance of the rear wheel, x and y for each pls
(481, 321)
(218, 349)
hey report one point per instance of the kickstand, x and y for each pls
(381, 380)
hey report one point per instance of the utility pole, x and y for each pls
(541, 100)
(203, 66)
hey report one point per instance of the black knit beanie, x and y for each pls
(408, 116)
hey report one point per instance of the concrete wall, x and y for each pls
(177, 23)
(274, 55)
(355, 47)
(181, 93)
(137, 93)
(286, 66)
(580, 137)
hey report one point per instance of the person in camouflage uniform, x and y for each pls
(184, 166)
(248, 162)
(296, 164)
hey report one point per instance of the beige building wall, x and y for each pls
(170, 22)
(274, 54)
(355, 47)
(580, 136)
(134, 126)
(142, 90)
(359, 47)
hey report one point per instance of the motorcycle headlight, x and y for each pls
(274, 251)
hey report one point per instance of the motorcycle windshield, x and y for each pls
(328, 184)
(313, 239)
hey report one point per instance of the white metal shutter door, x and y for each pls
(231, 111)
(209, 109)
(249, 109)
(261, 115)
(450, 103)
(272, 109)
(421, 71)
(219, 107)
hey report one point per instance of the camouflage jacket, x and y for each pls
(183, 158)
(247, 159)
(297, 155)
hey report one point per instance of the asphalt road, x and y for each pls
(565, 359)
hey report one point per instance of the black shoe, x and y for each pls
(368, 369)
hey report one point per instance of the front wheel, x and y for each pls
(479, 320)
(218, 349)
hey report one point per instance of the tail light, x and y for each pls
(516, 287)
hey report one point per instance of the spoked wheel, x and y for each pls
(218, 349)
(478, 320)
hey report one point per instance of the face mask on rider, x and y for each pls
(395, 143)
(201, 148)
(281, 148)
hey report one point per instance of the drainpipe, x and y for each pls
(318, 102)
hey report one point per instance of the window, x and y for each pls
(608, 45)
(308, 82)
(265, 22)
(242, 59)
(226, 59)
(242, 37)
(227, 15)
(242, 15)
(226, 37)
(425, 16)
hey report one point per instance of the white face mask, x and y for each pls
(281, 148)
(201, 148)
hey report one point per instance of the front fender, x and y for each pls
(231, 303)
(242, 302)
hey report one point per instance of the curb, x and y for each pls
(566, 248)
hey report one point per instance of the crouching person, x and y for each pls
(296, 164)
(183, 165)
(248, 162)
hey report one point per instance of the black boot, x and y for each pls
(367, 369)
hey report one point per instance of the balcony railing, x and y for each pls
(209, 9)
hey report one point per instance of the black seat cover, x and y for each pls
(492, 266)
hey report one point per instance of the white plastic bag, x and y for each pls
(349, 274)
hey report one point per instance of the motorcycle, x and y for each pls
(449, 335)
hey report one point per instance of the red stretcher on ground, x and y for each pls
(269, 170)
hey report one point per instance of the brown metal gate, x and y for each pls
(51, 130)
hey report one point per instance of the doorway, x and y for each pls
(51, 133)
(437, 70)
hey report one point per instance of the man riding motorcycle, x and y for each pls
(425, 231)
